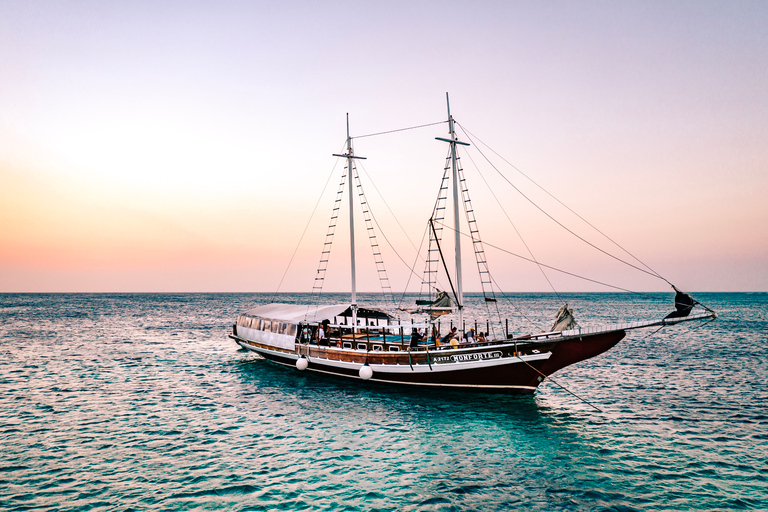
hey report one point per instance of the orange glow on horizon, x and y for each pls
(140, 156)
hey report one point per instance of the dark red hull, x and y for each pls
(507, 367)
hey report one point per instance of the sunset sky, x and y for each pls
(182, 146)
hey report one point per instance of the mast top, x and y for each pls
(453, 139)
(349, 153)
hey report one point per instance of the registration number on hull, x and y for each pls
(459, 358)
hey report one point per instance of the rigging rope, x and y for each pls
(413, 272)
(559, 385)
(387, 205)
(314, 210)
(328, 244)
(383, 234)
(447, 273)
(399, 130)
(431, 265)
(370, 219)
(439, 223)
(519, 235)
(480, 258)
(650, 271)
(512, 303)
(551, 267)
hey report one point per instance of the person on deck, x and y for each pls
(416, 338)
(321, 335)
(448, 337)
(435, 335)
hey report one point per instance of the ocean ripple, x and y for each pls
(139, 402)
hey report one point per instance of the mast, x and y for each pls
(351, 227)
(459, 285)
(349, 155)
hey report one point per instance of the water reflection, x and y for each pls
(449, 412)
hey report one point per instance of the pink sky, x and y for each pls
(181, 146)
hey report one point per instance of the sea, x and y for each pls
(132, 402)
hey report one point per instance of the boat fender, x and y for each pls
(302, 363)
(366, 372)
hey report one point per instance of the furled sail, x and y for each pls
(442, 305)
(683, 305)
(564, 319)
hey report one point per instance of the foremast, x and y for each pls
(350, 155)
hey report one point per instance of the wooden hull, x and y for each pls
(512, 366)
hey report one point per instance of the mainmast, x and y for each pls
(349, 155)
(456, 227)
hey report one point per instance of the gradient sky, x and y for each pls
(182, 146)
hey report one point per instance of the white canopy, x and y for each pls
(295, 313)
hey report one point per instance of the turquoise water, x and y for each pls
(140, 402)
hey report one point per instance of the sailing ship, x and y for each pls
(358, 341)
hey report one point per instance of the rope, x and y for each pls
(412, 271)
(559, 385)
(554, 268)
(512, 303)
(399, 130)
(387, 205)
(705, 323)
(519, 235)
(383, 234)
(314, 210)
(650, 272)
(467, 133)
(370, 220)
(431, 265)
(447, 273)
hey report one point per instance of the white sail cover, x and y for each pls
(295, 313)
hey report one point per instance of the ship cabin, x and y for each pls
(285, 325)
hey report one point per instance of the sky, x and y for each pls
(183, 146)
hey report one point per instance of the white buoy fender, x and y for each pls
(302, 363)
(366, 372)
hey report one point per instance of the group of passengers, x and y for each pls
(320, 335)
(418, 336)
